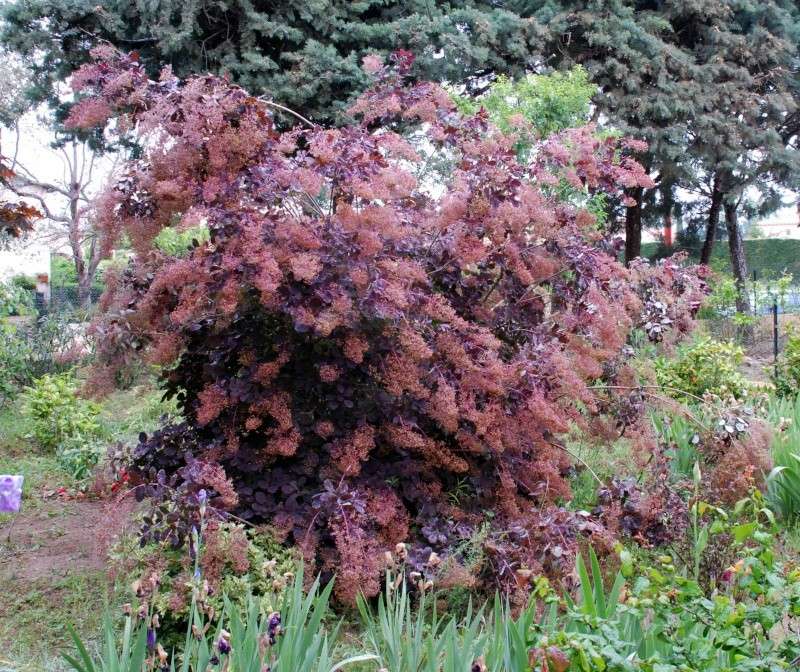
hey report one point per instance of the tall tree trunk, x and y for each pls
(738, 259)
(633, 226)
(85, 289)
(713, 222)
(667, 206)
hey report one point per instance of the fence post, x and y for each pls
(775, 332)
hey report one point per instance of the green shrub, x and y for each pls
(786, 375)
(721, 302)
(233, 561)
(704, 365)
(78, 456)
(57, 415)
(29, 351)
(15, 300)
(26, 282)
(15, 352)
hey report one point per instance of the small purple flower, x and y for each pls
(273, 627)
(151, 639)
(10, 493)
(224, 646)
(197, 572)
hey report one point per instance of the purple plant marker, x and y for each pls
(10, 493)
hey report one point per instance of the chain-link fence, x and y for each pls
(66, 298)
(775, 313)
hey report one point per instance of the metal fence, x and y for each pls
(66, 298)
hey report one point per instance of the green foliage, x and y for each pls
(14, 357)
(299, 640)
(79, 455)
(681, 438)
(786, 374)
(549, 103)
(705, 365)
(15, 300)
(178, 243)
(28, 351)
(27, 282)
(546, 104)
(58, 416)
(783, 483)
(721, 301)
(64, 275)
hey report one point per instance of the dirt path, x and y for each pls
(53, 574)
(56, 538)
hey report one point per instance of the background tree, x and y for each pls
(306, 55)
(66, 206)
(716, 76)
(16, 218)
(647, 85)
(746, 54)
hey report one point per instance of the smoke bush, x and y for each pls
(362, 360)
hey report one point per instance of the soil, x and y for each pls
(58, 538)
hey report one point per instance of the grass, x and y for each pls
(593, 462)
(35, 613)
(20, 455)
(139, 409)
(34, 618)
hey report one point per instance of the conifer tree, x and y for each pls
(306, 54)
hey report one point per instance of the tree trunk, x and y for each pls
(738, 259)
(633, 226)
(668, 206)
(713, 223)
(85, 290)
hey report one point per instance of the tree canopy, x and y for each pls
(305, 54)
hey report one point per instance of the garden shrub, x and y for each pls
(30, 350)
(15, 300)
(703, 366)
(786, 374)
(78, 455)
(359, 361)
(230, 561)
(58, 415)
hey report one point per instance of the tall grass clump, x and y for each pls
(783, 483)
